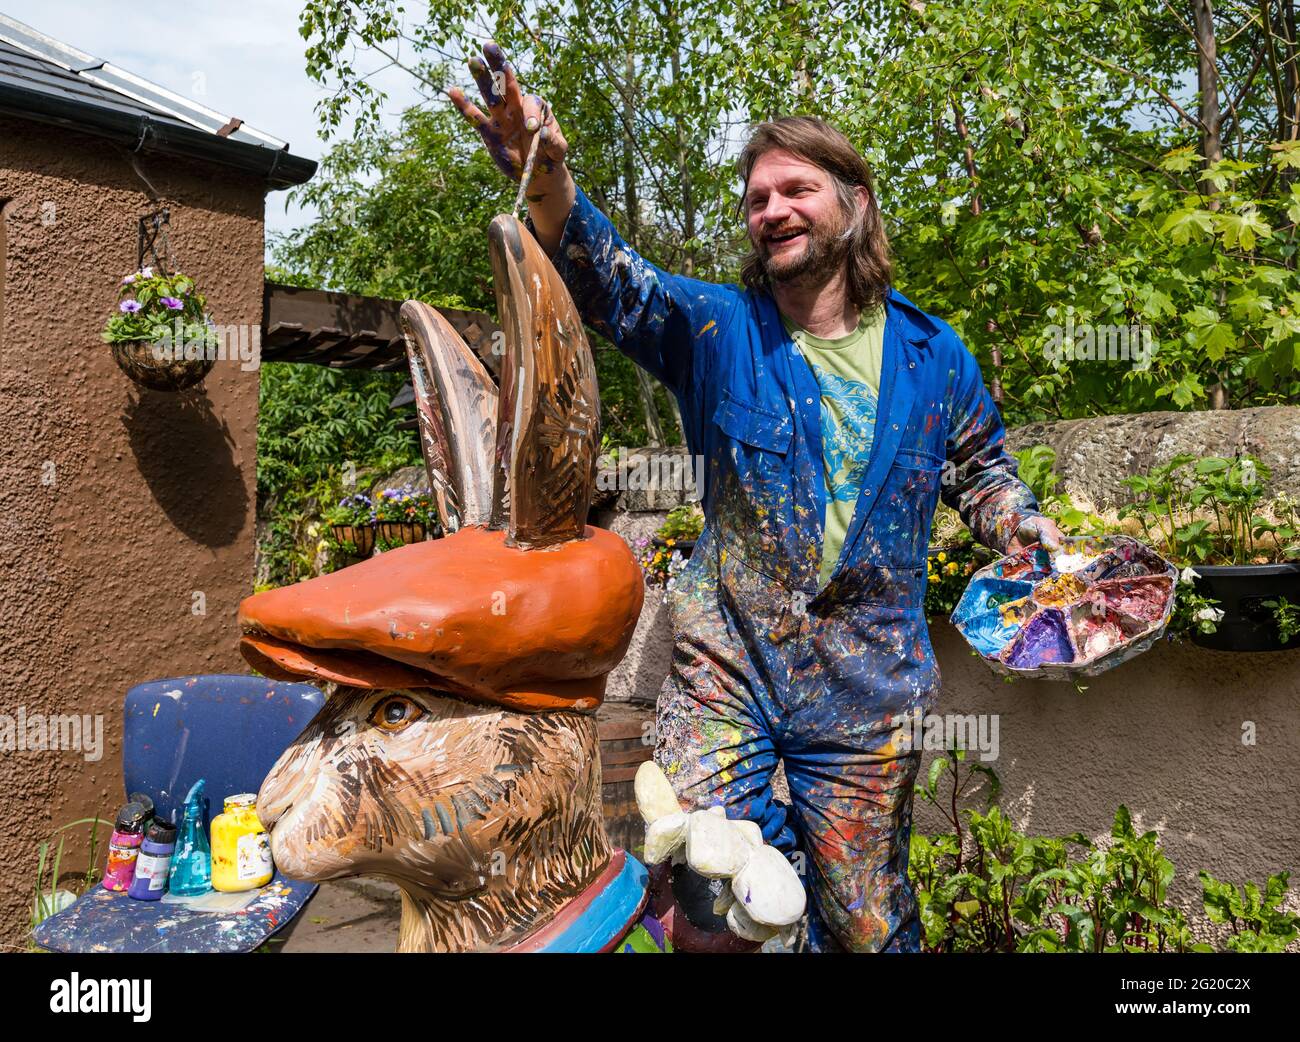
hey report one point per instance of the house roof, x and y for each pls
(45, 80)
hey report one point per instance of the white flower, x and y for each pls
(1188, 575)
(1209, 615)
(146, 273)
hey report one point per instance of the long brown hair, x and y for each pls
(817, 142)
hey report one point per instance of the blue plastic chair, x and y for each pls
(228, 730)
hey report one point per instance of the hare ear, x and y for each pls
(456, 403)
(548, 415)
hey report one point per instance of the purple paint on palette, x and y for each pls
(1043, 639)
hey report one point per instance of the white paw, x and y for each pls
(765, 896)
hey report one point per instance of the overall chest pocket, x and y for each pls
(908, 500)
(753, 502)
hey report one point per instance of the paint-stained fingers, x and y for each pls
(510, 88)
(553, 145)
(487, 82)
(472, 113)
(534, 115)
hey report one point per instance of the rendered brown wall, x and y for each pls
(152, 496)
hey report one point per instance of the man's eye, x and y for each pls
(395, 714)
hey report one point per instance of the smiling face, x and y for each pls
(795, 218)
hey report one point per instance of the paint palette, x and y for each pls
(1093, 604)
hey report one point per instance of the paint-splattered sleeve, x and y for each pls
(652, 316)
(980, 480)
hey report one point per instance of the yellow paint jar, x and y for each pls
(241, 848)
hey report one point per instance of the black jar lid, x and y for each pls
(130, 818)
(143, 799)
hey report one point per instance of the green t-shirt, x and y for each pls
(848, 372)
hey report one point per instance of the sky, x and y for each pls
(240, 59)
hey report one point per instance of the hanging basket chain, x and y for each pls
(152, 230)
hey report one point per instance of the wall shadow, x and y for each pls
(185, 453)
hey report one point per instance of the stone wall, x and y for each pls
(1092, 456)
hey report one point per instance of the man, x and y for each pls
(832, 414)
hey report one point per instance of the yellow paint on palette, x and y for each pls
(1011, 612)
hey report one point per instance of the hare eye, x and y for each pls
(395, 713)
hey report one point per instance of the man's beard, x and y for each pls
(823, 255)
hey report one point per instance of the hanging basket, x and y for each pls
(138, 359)
(401, 532)
(360, 536)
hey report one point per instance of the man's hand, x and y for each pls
(1036, 529)
(512, 120)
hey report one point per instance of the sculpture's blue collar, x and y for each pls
(599, 917)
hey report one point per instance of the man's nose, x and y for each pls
(777, 211)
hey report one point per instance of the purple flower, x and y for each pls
(129, 306)
(173, 303)
(128, 280)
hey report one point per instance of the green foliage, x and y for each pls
(1257, 920)
(683, 522)
(46, 886)
(1286, 616)
(316, 428)
(948, 571)
(150, 306)
(985, 887)
(1035, 466)
(1209, 511)
(1040, 162)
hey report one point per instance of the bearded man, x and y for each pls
(832, 414)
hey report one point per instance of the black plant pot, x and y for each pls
(1241, 590)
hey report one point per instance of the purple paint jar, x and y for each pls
(123, 847)
(153, 862)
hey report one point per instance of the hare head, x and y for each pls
(457, 752)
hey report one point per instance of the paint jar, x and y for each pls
(155, 859)
(191, 870)
(143, 799)
(123, 847)
(241, 848)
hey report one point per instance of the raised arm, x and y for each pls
(651, 315)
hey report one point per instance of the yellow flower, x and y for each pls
(951, 568)
(942, 556)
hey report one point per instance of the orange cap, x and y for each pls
(532, 630)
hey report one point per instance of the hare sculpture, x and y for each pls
(457, 752)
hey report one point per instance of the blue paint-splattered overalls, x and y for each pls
(767, 666)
